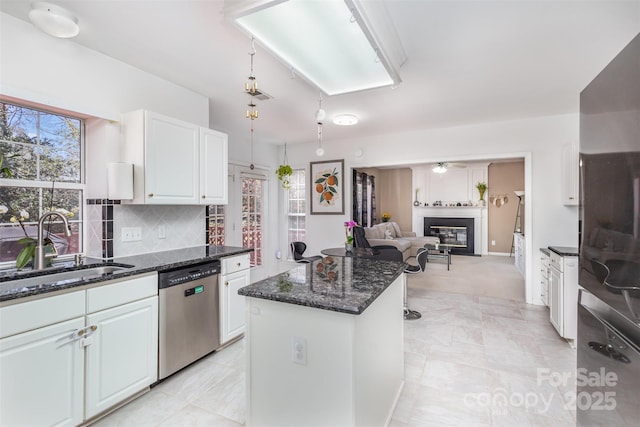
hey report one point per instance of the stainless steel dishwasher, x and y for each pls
(188, 315)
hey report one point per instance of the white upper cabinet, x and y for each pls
(175, 162)
(570, 175)
(213, 167)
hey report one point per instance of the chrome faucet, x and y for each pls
(40, 256)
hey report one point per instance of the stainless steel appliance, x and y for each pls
(608, 359)
(188, 315)
(608, 365)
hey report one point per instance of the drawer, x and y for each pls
(235, 263)
(556, 261)
(120, 292)
(18, 318)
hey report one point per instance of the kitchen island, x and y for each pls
(325, 344)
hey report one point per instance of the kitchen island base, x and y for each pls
(308, 366)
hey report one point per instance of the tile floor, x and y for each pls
(471, 360)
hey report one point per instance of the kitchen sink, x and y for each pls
(57, 278)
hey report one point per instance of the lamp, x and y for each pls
(54, 20)
(251, 88)
(331, 44)
(320, 115)
(440, 168)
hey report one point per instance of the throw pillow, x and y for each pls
(396, 229)
(387, 235)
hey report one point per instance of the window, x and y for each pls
(296, 207)
(44, 153)
(252, 216)
(216, 224)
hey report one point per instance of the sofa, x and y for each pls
(389, 233)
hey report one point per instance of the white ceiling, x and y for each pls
(468, 61)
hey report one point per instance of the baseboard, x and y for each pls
(499, 253)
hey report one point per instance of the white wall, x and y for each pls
(538, 140)
(67, 75)
(63, 74)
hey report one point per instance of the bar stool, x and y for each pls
(421, 257)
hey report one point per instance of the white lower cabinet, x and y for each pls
(563, 295)
(121, 359)
(41, 376)
(235, 275)
(519, 252)
(65, 359)
(544, 277)
(555, 300)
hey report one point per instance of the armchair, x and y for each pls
(385, 252)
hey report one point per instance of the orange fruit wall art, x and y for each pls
(327, 187)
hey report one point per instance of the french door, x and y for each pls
(246, 214)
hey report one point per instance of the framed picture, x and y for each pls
(327, 187)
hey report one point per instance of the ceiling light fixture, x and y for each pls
(54, 20)
(320, 115)
(251, 88)
(345, 119)
(331, 44)
(440, 168)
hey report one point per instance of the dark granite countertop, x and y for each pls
(139, 264)
(343, 284)
(545, 251)
(564, 250)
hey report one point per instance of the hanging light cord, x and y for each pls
(251, 166)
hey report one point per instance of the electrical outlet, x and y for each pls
(131, 234)
(299, 350)
(137, 234)
(493, 243)
(126, 234)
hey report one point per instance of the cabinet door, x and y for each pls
(570, 177)
(170, 160)
(555, 301)
(41, 376)
(213, 167)
(232, 305)
(121, 354)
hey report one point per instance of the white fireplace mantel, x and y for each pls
(478, 213)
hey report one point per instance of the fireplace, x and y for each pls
(457, 232)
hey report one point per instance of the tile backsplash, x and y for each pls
(163, 227)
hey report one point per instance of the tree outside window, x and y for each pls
(43, 152)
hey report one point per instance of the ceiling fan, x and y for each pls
(441, 167)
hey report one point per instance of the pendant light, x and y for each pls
(251, 88)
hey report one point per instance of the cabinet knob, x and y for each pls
(81, 332)
(204, 197)
(226, 283)
(150, 194)
(238, 265)
(94, 327)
